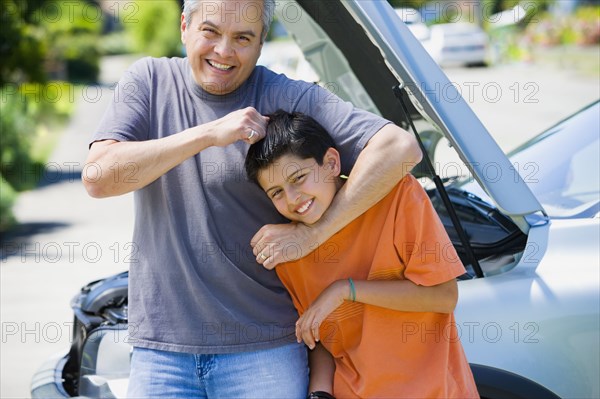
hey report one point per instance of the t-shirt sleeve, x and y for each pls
(127, 116)
(350, 127)
(421, 239)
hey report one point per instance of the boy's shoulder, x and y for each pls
(409, 183)
(404, 198)
(407, 191)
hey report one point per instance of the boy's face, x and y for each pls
(300, 189)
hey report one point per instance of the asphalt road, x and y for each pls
(68, 239)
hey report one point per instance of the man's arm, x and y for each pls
(114, 168)
(390, 154)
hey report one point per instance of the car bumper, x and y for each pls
(47, 381)
(464, 55)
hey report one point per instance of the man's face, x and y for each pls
(223, 43)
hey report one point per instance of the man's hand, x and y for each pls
(245, 124)
(278, 243)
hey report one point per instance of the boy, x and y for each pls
(376, 300)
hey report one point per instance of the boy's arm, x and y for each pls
(322, 368)
(402, 295)
(406, 296)
(390, 155)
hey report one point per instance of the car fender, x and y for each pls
(496, 383)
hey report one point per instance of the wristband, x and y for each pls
(352, 290)
(320, 395)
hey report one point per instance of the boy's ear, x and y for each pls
(332, 161)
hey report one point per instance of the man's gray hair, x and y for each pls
(191, 6)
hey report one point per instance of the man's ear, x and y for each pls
(183, 28)
(332, 161)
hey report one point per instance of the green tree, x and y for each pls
(531, 7)
(408, 3)
(153, 27)
(36, 35)
(58, 37)
(7, 198)
(22, 44)
(72, 29)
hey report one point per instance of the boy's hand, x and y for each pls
(307, 326)
(278, 243)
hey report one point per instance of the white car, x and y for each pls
(526, 225)
(459, 43)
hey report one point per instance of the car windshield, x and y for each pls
(562, 165)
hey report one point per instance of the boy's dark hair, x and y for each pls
(288, 133)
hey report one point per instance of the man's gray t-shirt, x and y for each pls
(194, 285)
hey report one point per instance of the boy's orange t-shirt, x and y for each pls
(382, 353)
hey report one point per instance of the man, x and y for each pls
(206, 319)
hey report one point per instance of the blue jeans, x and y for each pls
(272, 373)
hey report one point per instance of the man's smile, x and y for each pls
(219, 66)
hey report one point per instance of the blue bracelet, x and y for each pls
(352, 290)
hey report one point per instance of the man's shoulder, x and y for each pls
(269, 76)
(151, 65)
(264, 73)
(281, 92)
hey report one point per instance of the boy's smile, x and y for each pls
(301, 189)
(304, 207)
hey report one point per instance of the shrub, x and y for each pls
(17, 125)
(81, 57)
(25, 111)
(7, 199)
(114, 43)
(22, 46)
(72, 30)
(154, 27)
(580, 28)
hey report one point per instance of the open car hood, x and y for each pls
(361, 50)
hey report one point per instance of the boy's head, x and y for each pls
(297, 165)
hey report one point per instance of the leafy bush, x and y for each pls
(73, 29)
(7, 199)
(81, 57)
(580, 28)
(17, 125)
(39, 38)
(22, 46)
(153, 28)
(114, 43)
(28, 110)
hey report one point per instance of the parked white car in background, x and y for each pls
(415, 23)
(458, 43)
